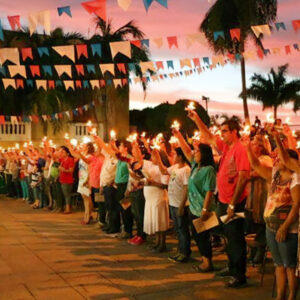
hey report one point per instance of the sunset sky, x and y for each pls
(222, 85)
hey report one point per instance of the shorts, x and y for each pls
(284, 254)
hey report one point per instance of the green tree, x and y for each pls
(242, 14)
(274, 90)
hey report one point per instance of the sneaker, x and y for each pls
(124, 235)
(236, 283)
(138, 241)
(180, 258)
(130, 241)
(223, 273)
(173, 257)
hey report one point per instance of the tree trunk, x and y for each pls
(275, 112)
(244, 91)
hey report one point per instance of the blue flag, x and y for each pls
(29, 82)
(145, 43)
(42, 51)
(147, 4)
(47, 70)
(163, 3)
(170, 64)
(2, 71)
(96, 49)
(206, 60)
(58, 83)
(86, 84)
(64, 9)
(91, 69)
(218, 34)
(1, 32)
(280, 25)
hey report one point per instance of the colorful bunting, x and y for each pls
(1, 34)
(20, 83)
(47, 70)
(98, 7)
(296, 25)
(147, 65)
(43, 51)
(280, 25)
(9, 82)
(185, 63)
(35, 70)
(81, 50)
(67, 51)
(96, 49)
(235, 33)
(15, 70)
(91, 69)
(64, 9)
(261, 29)
(170, 64)
(95, 84)
(159, 65)
(158, 42)
(124, 4)
(40, 18)
(61, 69)
(120, 47)
(172, 41)
(136, 43)
(41, 84)
(14, 22)
(121, 68)
(219, 34)
(26, 53)
(145, 43)
(107, 68)
(9, 54)
(79, 69)
(69, 84)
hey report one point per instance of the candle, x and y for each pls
(30, 143)
(143, 134)
(25, 145)
(191, 106)
(44, 139)
(175, 125)
(294, 133)
(17, 146)
(74, 142)
(298, 145)
(94, 131)
(196, 136)
(89, 123)
(113, 134)
(246, 130)
(50, 142)
(173, 140)
(86, 140)
(67, 136)
(287, 121)
(155, 145)
(270, 118)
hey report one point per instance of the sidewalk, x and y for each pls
(52, 256)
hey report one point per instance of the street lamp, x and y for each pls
(206, 99)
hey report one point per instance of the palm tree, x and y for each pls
(274, 90)
(242, 14)
(115, 102)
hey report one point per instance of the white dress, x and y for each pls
(156, 216)
(83, 174)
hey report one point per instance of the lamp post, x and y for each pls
(206, 99)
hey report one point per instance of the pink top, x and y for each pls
(95, 166)
(232, 162)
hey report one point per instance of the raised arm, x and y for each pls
(101, 144)
(183, 144)
(162, 168)
(202, 127)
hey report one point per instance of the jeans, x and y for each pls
(67, 190)
(37, 194)
(100, 205)
(57, 194)
(181, 226)
(284, 254)
(138, 208)
(109, 195)
(24, 187)
(236, 247)
(30, 191)
(16, 188)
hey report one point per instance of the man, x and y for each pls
(231, 184)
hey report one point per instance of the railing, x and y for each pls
(15, 132)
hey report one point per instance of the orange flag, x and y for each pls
(82, 50)
(235, 33)
(14, 22)
(172, 41)
(98, 7)
(35, 70)
(26, 52)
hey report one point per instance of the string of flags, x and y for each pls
(69, 114)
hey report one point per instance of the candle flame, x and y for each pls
(191, 106)
(113, 134)
(74, 142)
(89, 123)
(176, 125)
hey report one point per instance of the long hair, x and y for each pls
(180, 153)
(67, 150)
(207, 158)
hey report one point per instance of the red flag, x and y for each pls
(102, 83)
(196, 62)
(121, 68)
(35, 118)
(136, 43)
(98, 7)
(82, 50)
(14, 22)
(35, 70)
(296, 25)
(51, 84)
(79, 69)
(20, 83)
(231, 56)
(161, 76)
(78, 84)
(159, 65)
(235, 33)
(26, 52)
(2, 120)
(287, 49)
(260, 54)
(124, 81)
(172, 41)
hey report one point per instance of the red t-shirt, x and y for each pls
(233, 161)
(66, 177)
(95, 166)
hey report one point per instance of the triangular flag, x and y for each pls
(185, 62)
(136, 43)
(117, 82)
(172, 41)
(47, 70)
(91, 69)
(41, 84)
(219, 34)
(29, 82)
(159, 65)
(288, 49)
(78, 84)
(158, 42)
(61, 69)
(102, 82)
(260, 53)
(107, 67)
(9, 82)
(40, 18)
(58, 83)
(20, 83)
(98, 7)
(124, 4)
(147, 65)
(206, 60)
(69, 84)
(86, 84)
(1, 34)
(35, 70)
(196, 62)
(147, 4)
(280, 25)
(95, 84)
(96, 49)
(296, 25)
(145, 43)
(14, 119)
(2, 71)
(276, 50)
(14, 22)
(26, 52)
(195, 37)
(79, 69)
(235, 33)
(11, 54)
(67, 51)
(81, 50)
(164, 3)
(170, 64)
(64, 9)
(43, 51)
(121, 68)
(51, 84)
(261, 29)
(124, 81)
(123, 47)
(14, 70)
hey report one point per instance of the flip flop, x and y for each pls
(200, 270)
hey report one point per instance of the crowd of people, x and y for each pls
(247, 179)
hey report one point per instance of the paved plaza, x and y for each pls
(44, 255)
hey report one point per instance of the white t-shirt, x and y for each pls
(178, 182)
(108, 171)
(151, 170)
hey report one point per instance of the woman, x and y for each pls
(156, 218)
(201, 187)
(281, 215)
(66, 180)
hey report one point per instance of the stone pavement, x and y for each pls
(44, 255)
